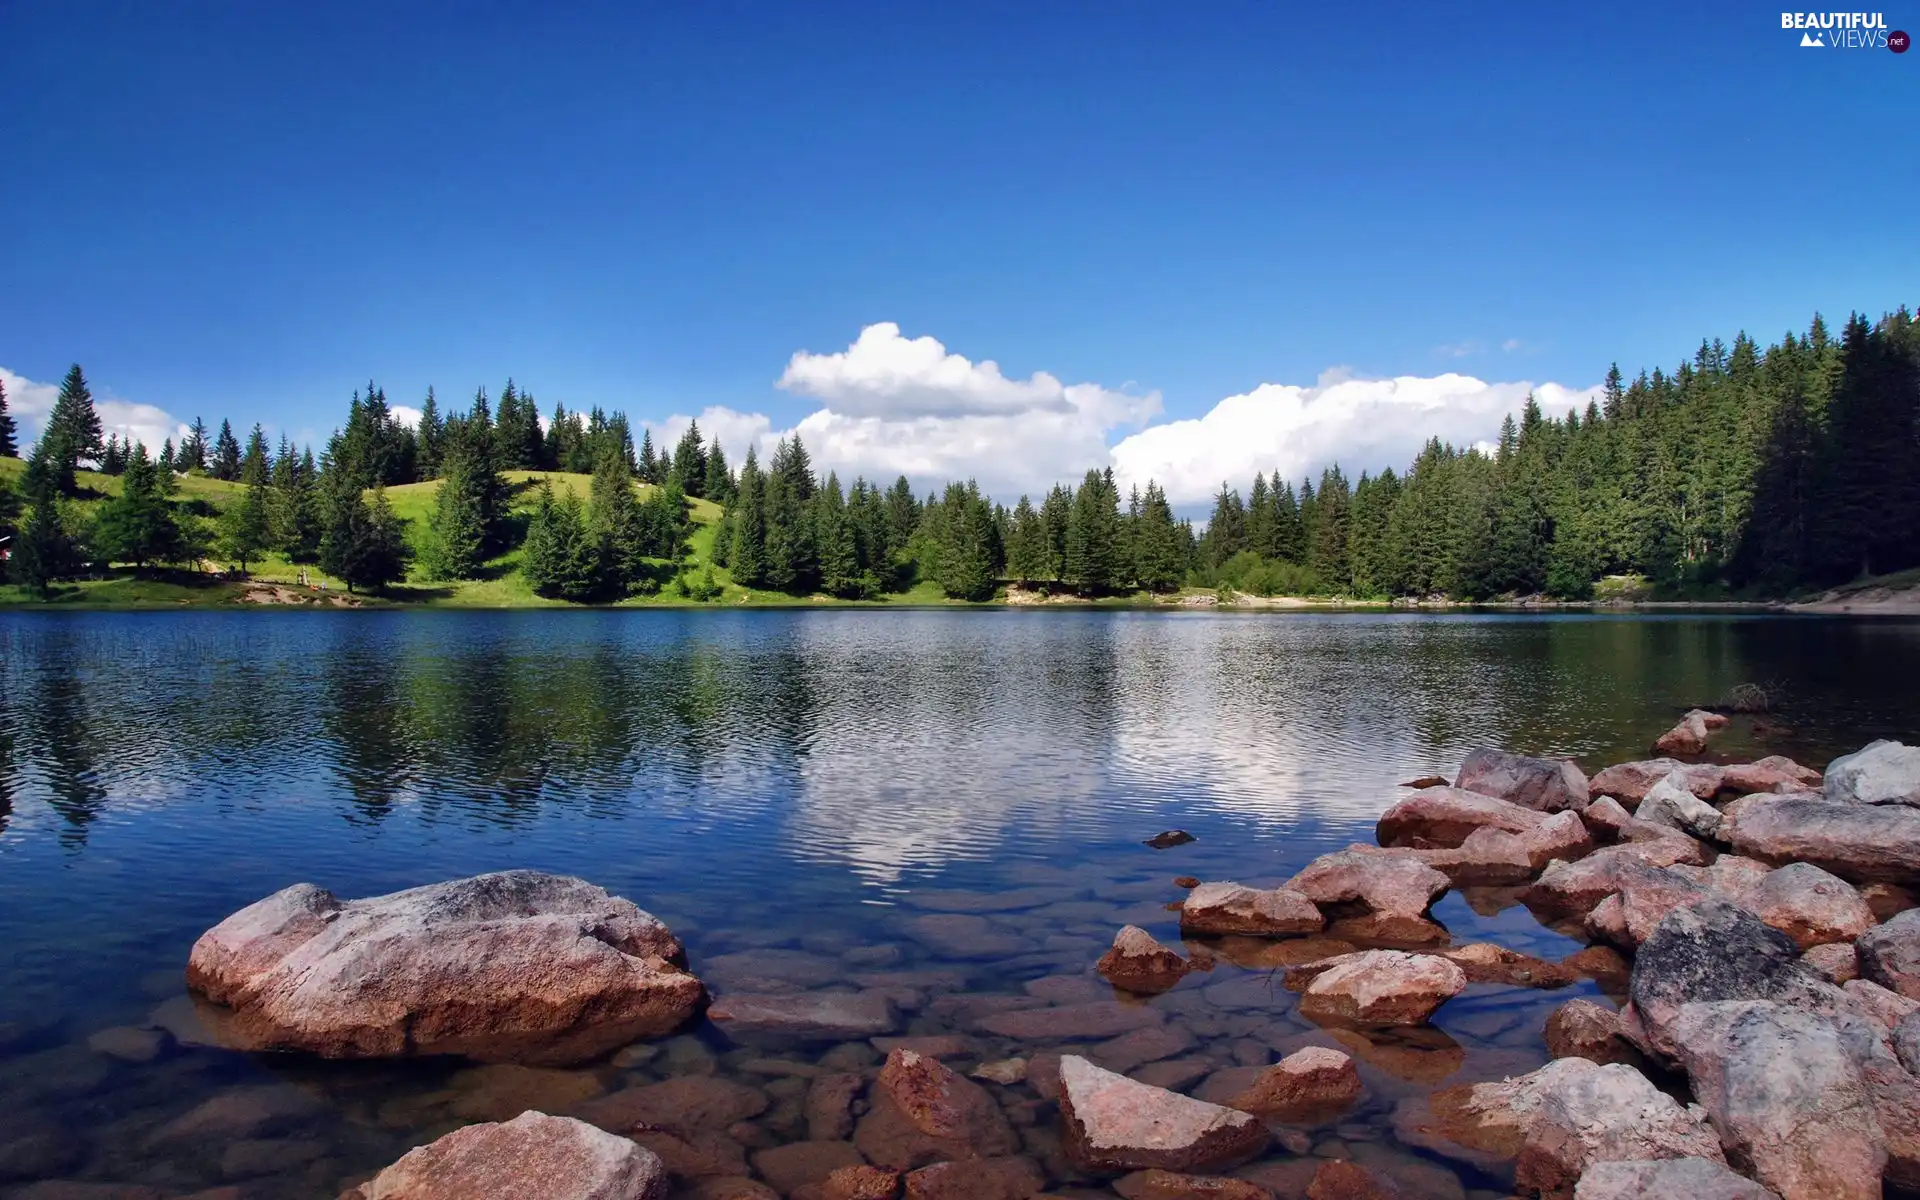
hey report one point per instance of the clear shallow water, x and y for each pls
(815, 781)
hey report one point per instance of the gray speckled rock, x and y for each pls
(1881, 772)
(1712, 950)
(1546, 784)
(1785, 1096)
(1607, 1114)
(1890, 954)
(1667, 1179)
(1671, 803)
(1861, 843)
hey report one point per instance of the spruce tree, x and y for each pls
(226, 454)
(690, 461)
(73, 431)
(1027, 545)
(1159, 560)
(428, 438)
(1091, 528)
(1056, 514)
(560, 558)
(247, 528)
(717, 479)
(304, 516)
(1226, 528)
(43, 551)
(747, 540)
(138, 525)
(365, 542)
(619, 524)
(167, 464)
(839, 563)
(967, 540)
(649, 464)
(192, 455)
(9, 433)
(793, 560)
(457, 531)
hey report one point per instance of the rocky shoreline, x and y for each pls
(1753, 928)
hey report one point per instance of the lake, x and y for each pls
(817, 782)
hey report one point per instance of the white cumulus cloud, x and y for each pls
(735, 431)
(1363, 424)
(410, 417)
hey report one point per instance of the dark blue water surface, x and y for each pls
(813, 781)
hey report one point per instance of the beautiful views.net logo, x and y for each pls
(1845, 31)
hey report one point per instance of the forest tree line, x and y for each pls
(1744, 468)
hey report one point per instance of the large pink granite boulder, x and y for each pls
(516, 966)
(1546, 784)
(1113, 1124)
(554, 1158)
(1381, 988)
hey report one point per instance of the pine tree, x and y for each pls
(226, 454)
(839, 563)
(649, 464)
(1332, 516)
(690, 462)
(747, 520)
(137, 526)
(9, 433)
(560, 558)
(43, 551)
(166, 463)
(1056, 515)
(1289, 535)
(459, 527)
(1226, 528)
(192, 455)
(247, 528)
(303, 518)
(1027, 547)
(428, 437)
(113, 460)
(73, 431)
(365, 542)
(1092, 525)
(718, 479)
(1159, 564)
(620, 525)
(793, 559)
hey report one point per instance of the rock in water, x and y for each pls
(1170, 838)
(1444, 817)
(1584, 1029)
(924, 1113)
(1670, 803)
(1690, 735)
(818, 1016)
(1607, 1114)
(1305, 1085)
(1771, 774)
(1382, 988)
(533, 1155)
(1114, 1124)
(1890, 954)
(1881, 772)
(1667, 1179)
(1235, 908)
(1394, 885)
(1546, 784)
(1630, 782)
(1785, 1097)
(517, 966)
(1861, 843)
(1138, 963)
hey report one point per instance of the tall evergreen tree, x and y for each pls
(365, 542)
(839, 560)
(747, 519)
(194, 448)
(561, 558)
(1226, 528)
(619, 526)
(649, 464)
(247, 527)
(9, 432)
(1092, 548)
(717, 477)
(226, 454)
(43, 550)
(137, 526)
(1159, 563)
(690, 461)
(1027, 547)
(428, 436)
(73, 431)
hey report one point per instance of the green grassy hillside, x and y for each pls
(501, 585)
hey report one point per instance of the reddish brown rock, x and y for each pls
(1810, 906)
(1482, 1123)
(1629, 916)
(1575, 888)
(829, 1105)
(1072, 1022)
(1546, 784)
(1487, 857)
(1836, 962)
(1602, 964)
(1605, 1114)
(923, 1112)
(789, 1167)
(1486, 963)
(1309, 1084)
(1381, 987)
(736, 1187)
(685, 1101)
(1392, 931)
(1443, 817)
(532, 1155)
(1771, 774)
(1113, 1124)
(1887, 1007)
(1861, 843)
(1337, 1179)
(1689, 737)
(514, 966)
(1138, 963)
(1427, 781)
(1888, 900)
(834, 1016)
(1234, 908)
(861, 1183)
(1014, 1178)
(1630, 782)
(1561, 836)
(1890, 954)
(1170, 1185)
(1389, 884)
(1583, 1029)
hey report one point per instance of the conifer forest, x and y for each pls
(1743, 471)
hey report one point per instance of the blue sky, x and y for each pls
(248, 210)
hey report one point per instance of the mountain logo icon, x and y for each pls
(1811, 39)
